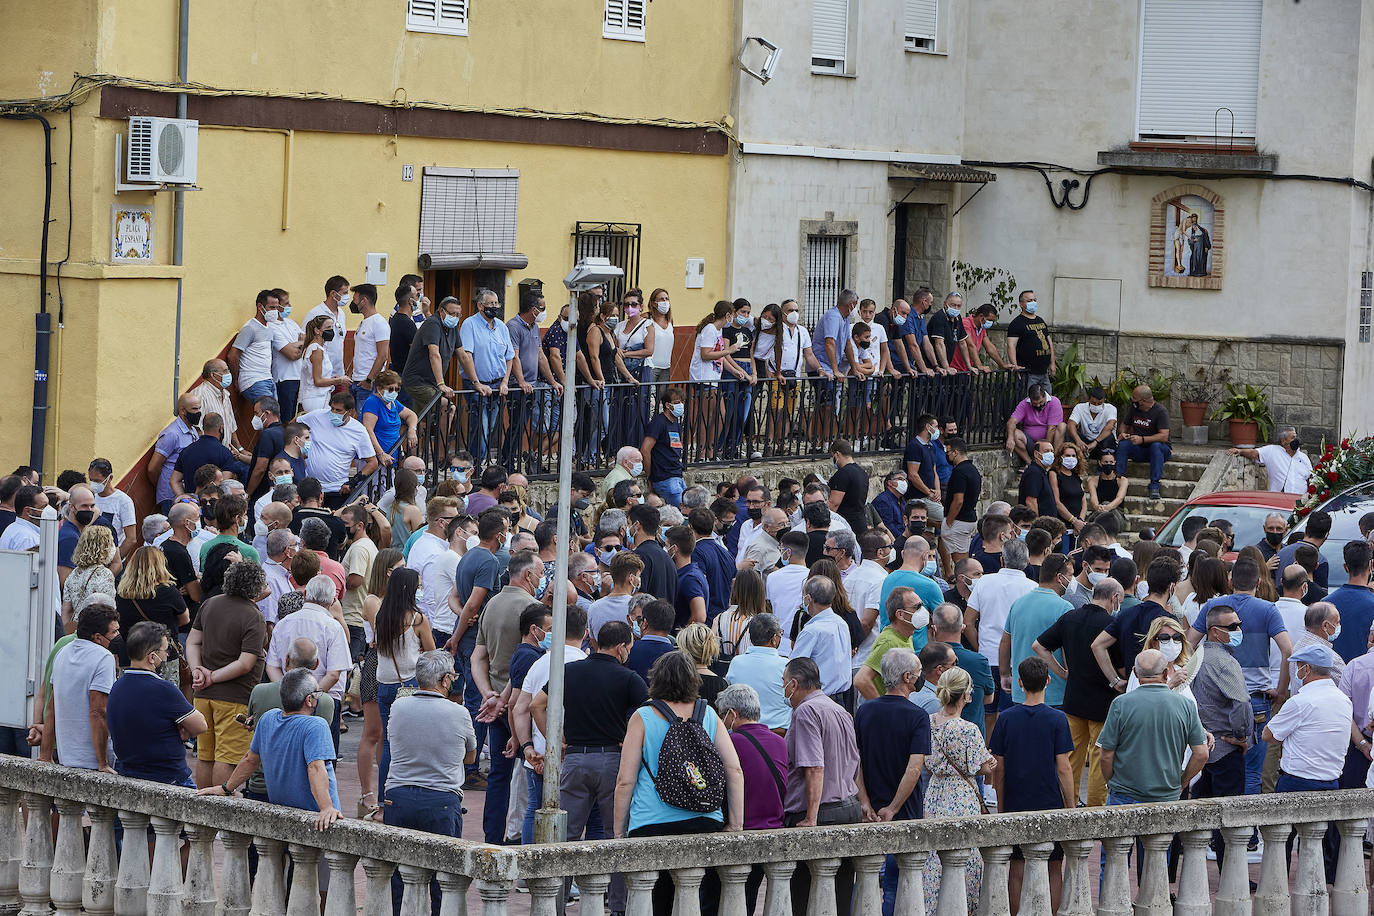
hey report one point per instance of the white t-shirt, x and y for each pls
(783, 588)
(334, 448)
(373, 330)
(311, 395)
(794, 341)
(868, 354)
(430, 551)
(1090, 426)
(864, 584)
(710, 338)
(79, 669)
(536, 679)
(1287, 473)
(335, 346)
(662, 357)
(255, 343)
(284, 333)
(879, 338)
(119, 507)
(389, 499)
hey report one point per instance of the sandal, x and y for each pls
(367, 812)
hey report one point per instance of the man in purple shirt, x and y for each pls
(180, 433)
(1356, 683)
(1038, 416)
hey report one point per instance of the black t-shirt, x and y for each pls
(889, 730)
(951, 329)
(180, 566)
(1030, 740)
(1032, 572)
(1035, 482)
(337, 529)
(269, 444)
(659, 577)
(734, 334)
(164, 607)
(991, 562)
(666, 457)
(852, 480)
(895, 332)
(1087, 694)
(1032, 342)
(402, 335)
(965, 479)
(1129, 627)
(1147, 422)
(417, 368)
(7, 518)
(953, 597)
(607, 693)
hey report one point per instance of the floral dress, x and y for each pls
(950, 795)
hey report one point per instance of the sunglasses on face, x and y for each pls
(1169, 637)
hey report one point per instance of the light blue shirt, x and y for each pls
(925, 587)
(647, 808)
(489, 345)
(1030, 615)
(761, 668)
(825, 640)
(169, 444)
(836, 326)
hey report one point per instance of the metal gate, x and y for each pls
(826, 257)
(618, 243)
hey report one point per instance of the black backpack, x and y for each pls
(691, 774)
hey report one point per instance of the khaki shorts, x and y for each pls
(958, 535)
(226, 740)
(935, 511)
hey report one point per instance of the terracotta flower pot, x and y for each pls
(1244, 433)
(1194, 413)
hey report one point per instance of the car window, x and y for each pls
(1248, 522)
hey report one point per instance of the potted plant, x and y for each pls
(1247, 410)
(1195, 393)
(1072, 378)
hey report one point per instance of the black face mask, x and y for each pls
(84, 517)
(355, 308)
(917, 527)
(1275, 538)
(1295, 444)
(327, 335)
(1107, 469)
(116, 645)
(755, 515)
(193, 418)
(581, 505)
(492, 311)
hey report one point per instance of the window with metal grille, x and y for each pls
(617, 243)
(826, 259)
(624, 20)
(447, 17)
(1366, 304)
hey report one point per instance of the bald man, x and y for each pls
(1146, 438)
(272, 517)
(412, 463)
(178, 434)
(763, 553)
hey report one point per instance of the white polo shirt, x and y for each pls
(333, 449)
(1314, 726)
(1287, 473)
(783, 588)
(825, 640)
(992, 596)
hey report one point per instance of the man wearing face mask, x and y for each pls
(336, 301)
(1035, 490)
(919, 462)
(947, 332)
(1092, 425)
(1321, 627)
(1030, 616)
(629, 464)
(909, 616)
(889, 503)
(338, 443)
(216, 389)
(1029, 342)
(178, 434)
(977, 326)
(1038, 416)
(627, 571)
(961, 494)
(1275, 527)
(1096, 564)
(533, 367)
(662, 448)
(250, 355)
(79, 514)
(1286, 465)
(30, 503)
(425, 374)
(114, 506)
(764, 551)
(1146, 437)
(287, 347)
(487, 357)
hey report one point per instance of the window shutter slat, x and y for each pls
(919, 20)
(829, 28)
(422, 12)
(1198, 56)
(624, 19)
(448, 17)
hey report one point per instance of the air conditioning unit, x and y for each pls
(162, 150)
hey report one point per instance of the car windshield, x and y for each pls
(1248, 522)
(1346, 511)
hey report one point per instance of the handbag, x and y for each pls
(982, 805)
(170, 669)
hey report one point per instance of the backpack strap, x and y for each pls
(666, 711)
(699, 713)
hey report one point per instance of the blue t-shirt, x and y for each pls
(521, 661)
(980, 672)
(915, 325)
(287, 746)
(922, 453)
(646, 651)
(942, 466)
(1030, 615)
(1356, 604)
(665, 459)
(834, 326)
(297, 467)
(388, 428)
(1029, 738)
(410, 541)
(479, 568)
(691, 583)
(67, 536)
(1260, 621)
(889, 730)
(925, 587)
(719, 571)
(144, 713)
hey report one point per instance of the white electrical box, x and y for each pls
(696, 273)
(375, 270)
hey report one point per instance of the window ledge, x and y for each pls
(1203, 160)
(843, 76)
(927, 51)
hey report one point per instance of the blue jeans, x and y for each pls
(429, 811)
(498, 782)
(386, 695)
(472, 697)
(481, 421)
(890, 875)
(288, 391)
(15, 742)
(360, 395)
(739, 395)
(263, 389)
(1254, 755)
(535, 783)
(671, 490)
(1156, 453)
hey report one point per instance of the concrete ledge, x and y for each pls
(1230, 472)
(93, 270)
(1201, 161)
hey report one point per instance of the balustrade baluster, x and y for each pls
(341, 899)
(1035, 883)
(235, 888)
(304, 899)
(821, 901)
(1271, 898)
(415, 890)
(102, 864)
(911, 894)
(687, 891)
(1233, 883)
(640, 893)
(377, 899)
(36, 865)
(1350, 893)
(198, 891)
(11, 842)
(1077, 898)
(269, 887)
(593, 888)
(131, 887)
(454, 894)
(1153, 896)
(992, 896)
(1114, 898)
(953, 899)
(1309, 879)
(732, 898)
(493, 894)
(544, 895)
(778, 900)
(164, 886)
(868, 892)
(1194, 896)
(68, 860)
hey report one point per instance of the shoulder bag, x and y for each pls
(982, 805)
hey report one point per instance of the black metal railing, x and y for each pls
(729, 422)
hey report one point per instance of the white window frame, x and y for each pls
(911, 42)
(435, 22)
(623, 13)
(832, 66)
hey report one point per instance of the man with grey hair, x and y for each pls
(695, 497)
(629, 464)
(760, 667)
(431, 742)
(833, 346)
(948, 334)
(582, 577)
(1286, 465)
(825, 640)
(989, 605)
(669, 517)
(314, 622)
(154, 527)
(292, 746)
(486, 355)
(1321, 624)
(280, 548)
(763, 553)
(763, 758)
(303, 655)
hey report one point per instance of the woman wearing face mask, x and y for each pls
(660, 362)
(383, 415)
(710, 357)
(596, 359)
(1170, 637)
(1066, 480)
(386, 562)
(318, 372)
(1106, 490)
(739, 378)
(93, 553)
(635, 337)
(401, 633)
(789, 352)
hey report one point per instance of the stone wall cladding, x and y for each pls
(1302, 378)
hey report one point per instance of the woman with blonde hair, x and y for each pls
(748, 599)
(1170, 637)
(703, 648)
(958, 756)
(91, 559)
(148, 591)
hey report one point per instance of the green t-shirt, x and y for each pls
(245, 550)
(889, 638)
(268, 696)
(1148, 729)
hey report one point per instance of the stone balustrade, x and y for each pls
(71, 871)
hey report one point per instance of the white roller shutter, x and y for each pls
(919, 19)
(1197, 56)
(829, 34)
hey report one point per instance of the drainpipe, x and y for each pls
(42, 321)
(179, 197)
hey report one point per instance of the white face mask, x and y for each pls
(1070, 462)
(471, 542)
(765, 324)
(1047, 458)
(901, 487)
(1096, 577)
(345, 299)
(664, 307)
(272, 315)
(1171, 650)
(793, 318)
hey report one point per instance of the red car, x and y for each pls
(1244, 509)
